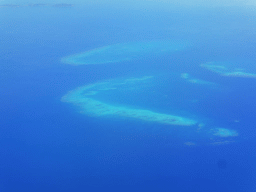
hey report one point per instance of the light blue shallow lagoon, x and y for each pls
(127, 96)
(125, 52)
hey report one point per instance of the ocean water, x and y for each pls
(48, 143)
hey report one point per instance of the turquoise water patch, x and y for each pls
(222, 69)
(193, 80)
(125, 52)
(223, 132)
(110, 100)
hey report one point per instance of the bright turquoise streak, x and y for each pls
(124, 52)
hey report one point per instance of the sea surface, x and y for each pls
(49, 144)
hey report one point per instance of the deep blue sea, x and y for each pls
(50, 145)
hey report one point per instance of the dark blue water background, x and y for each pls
(48, 145)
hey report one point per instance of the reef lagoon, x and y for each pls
(90, 105)
(127, 96)
(98, 108)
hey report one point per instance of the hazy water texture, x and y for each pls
(50, 145)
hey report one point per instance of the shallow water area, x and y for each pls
(125, 52)
(110, 99)
(222, 69)
(111, 96)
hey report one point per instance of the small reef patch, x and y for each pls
(221, 69)
(223, 132)
(190, 79)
